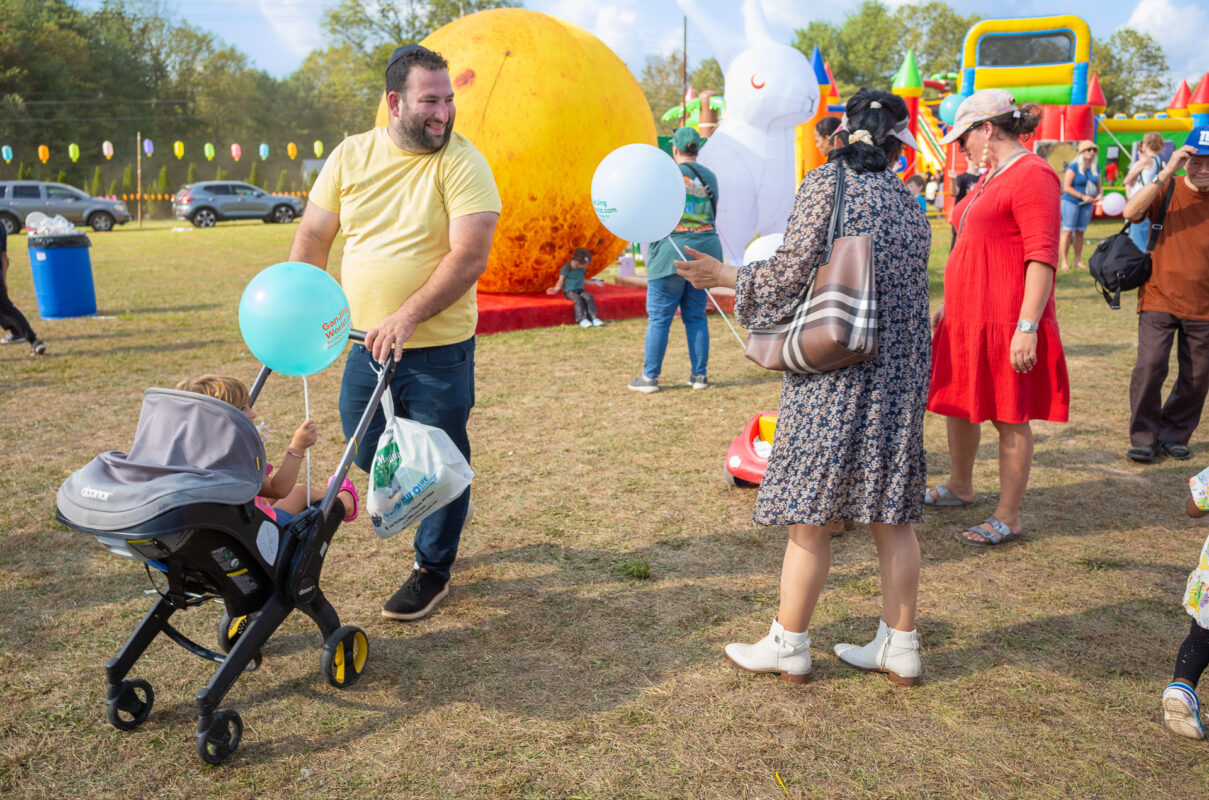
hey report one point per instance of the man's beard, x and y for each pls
(415, 135)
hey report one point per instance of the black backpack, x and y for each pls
(1118, 266)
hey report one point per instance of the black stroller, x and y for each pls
(181, 501)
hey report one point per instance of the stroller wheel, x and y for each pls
(218, 741)
(228, 632)
(343, 656)
(230, 629)
(128, 710)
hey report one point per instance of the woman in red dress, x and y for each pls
(996, 353)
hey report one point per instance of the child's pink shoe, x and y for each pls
(347, 486)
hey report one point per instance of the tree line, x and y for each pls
(128, 67)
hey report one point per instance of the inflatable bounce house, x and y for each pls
(1118, 136)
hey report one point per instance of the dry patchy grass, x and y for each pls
(579, 653)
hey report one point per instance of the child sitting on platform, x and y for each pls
(571, 284)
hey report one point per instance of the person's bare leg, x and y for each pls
(803, 573)
(295, 501)
(898, 557)
(964, 437)
(1078, 239)
(1015, 461)
(1064, 248)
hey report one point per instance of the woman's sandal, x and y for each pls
(998, 534)
(944, 498)
(348, 486)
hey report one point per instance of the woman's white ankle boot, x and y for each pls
(781, 651)
(893, 652)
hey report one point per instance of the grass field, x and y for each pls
(579, 654)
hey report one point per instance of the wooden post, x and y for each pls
(138, 155)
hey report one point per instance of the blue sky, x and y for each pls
(277, 34)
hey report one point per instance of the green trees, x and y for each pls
(254, 175)
(220, 174)
(128, 178)
(1132, 69)
(283, 181)
(94, 188)
(191, 175)
(869, 45)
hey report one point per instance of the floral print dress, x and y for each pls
(849, 443)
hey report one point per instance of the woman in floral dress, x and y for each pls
(849, 443)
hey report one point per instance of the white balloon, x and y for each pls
(638, 193)
(1113, 204)
(763, 248)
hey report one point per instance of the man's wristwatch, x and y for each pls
(1024, 326)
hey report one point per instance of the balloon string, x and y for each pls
(710, 295)
(306, 402)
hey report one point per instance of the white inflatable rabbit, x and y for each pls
(770, 89)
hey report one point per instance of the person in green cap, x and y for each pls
(666, 290)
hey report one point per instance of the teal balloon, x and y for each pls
(7, 153)
(948, 108)
(294, 318)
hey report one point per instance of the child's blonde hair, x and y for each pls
(229, 390)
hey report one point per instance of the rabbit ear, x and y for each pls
(756, 24)
(725, 44)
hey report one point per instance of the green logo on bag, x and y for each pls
(386, 463)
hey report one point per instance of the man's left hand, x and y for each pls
(390, 333)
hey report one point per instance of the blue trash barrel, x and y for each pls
(62, 274)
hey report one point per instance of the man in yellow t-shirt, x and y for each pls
(418, 206)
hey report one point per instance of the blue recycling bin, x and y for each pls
(62, 274)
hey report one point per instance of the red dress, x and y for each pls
(1003, 225)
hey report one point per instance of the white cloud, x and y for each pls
(1179, 28)
(294, 24)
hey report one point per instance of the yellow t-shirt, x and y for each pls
(395, 209)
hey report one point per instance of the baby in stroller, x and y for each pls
(282, 484)
(184, 502)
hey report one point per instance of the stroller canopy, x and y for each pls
(188, 448)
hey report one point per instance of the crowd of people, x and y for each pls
(849, 442)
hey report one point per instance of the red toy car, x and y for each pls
(747, 457)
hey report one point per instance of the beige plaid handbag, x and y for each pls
(835, 324)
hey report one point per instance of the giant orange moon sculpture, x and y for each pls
(544, 101)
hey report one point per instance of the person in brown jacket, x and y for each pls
(1174, 303)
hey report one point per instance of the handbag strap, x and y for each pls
(1157, 227)
(836, 227)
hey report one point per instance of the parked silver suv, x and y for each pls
(207, 202)
(19, 199)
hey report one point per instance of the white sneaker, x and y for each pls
(1182, 711)
(893, 652)
(781, 651)
(596, 323)
(585, 323)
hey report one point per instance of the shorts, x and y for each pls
(1076, 216)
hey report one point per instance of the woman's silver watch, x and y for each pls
(1024, 326)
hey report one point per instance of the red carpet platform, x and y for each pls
(515, 312)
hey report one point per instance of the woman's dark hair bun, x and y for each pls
(876, 112)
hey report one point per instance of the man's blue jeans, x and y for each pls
(432, 385)
(663, 297)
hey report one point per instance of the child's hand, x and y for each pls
(552, 290)
(306, 436)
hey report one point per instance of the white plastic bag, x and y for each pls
(417, 470)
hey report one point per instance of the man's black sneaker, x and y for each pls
(417, 597)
